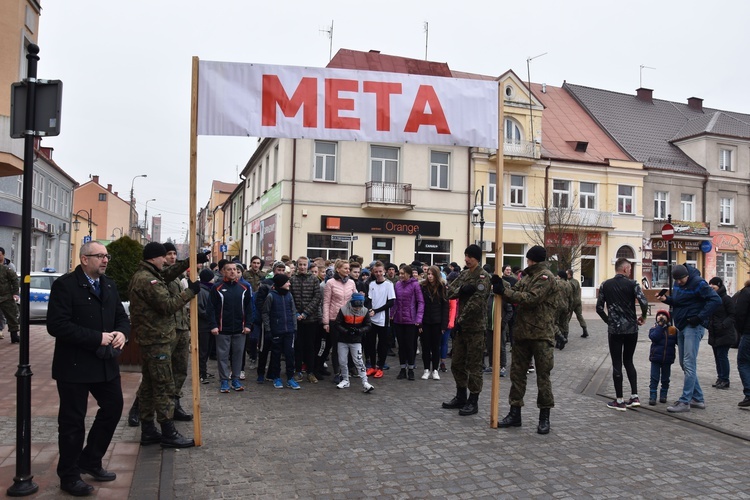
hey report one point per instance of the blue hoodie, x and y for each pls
(695, 298)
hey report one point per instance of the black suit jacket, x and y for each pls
(76, 317)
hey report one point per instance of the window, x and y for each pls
(384, 164)
(625, 195)
(19, 190)
(102, 196)
(325, 161)
(687, 202)
(726, 211)
(560, 194)
(276, 163)
(588, 196)
(492, 189)
(514, 255)
(517, 188)
(53, 205)
(725, 160)
(48, 203)
(512, 132)
(268, 172)
(434, 252)
(320, 245)
(65, 208)
(439, 162)
(661, 204)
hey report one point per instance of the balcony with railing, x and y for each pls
(390, 195)
(522, 149)
(568, 217)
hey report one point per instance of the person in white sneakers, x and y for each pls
(352, 323)
(434, 321)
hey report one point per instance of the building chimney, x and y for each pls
(117, 194)
(95, 178)
(695, 103)
(109, 187)
(645, 95)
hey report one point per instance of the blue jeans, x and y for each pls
(721, 356)
(743, 364)
(663, 372)
(688, 343)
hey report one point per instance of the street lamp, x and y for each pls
(145, 218)
(112, 237)
(477, 215)
(77, 223)
(132, 202)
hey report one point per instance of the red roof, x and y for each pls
(565, 123)
(375, 61)
(222, 187)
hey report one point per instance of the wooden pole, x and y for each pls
(498, 306)
(192, 255)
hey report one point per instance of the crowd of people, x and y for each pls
(342, 320)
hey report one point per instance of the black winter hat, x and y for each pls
(563, 275)
(716, 281)
(279, 280)
(679, 271)
(537, 254)
(170, 247)
(206, 276)
(474, 252)
(153, 250)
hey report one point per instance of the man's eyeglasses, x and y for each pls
(99, 255)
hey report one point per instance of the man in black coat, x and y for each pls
(90, 326)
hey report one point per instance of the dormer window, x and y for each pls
(725, 160)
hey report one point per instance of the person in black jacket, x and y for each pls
(742, 325)
(434, 321)
(721, 333)
(90, 327)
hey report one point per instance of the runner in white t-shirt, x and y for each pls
(380, 299)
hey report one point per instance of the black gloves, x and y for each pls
(694, 321)
(194, 286)
(495, 279)
(202, 258)
(468, 289)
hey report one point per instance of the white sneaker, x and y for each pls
(435, 375)
(242, 375)
(343, 384)
(367, 387)
(2, 335)
(426, 375)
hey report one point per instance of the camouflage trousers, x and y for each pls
(10, 310)
(543, 353)
(180, 355)
(466, 363)
(157, 384)
(563, 323)
(578, 311)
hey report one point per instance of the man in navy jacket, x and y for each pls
(90, 326)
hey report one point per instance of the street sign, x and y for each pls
(223, 248)
(46, 110)
(345, 237)
(667, 232)
(706, 246)
(86, 239)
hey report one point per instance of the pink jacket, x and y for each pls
(335, 295)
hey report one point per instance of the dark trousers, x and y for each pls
(282, 342)
(378, 345)
(203, 338)
(72, 428)
(407, 344)
(304, 345)
(621, 350)
(431, 337)
(264, 349)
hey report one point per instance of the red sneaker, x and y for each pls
(370, 372)
(378, 373)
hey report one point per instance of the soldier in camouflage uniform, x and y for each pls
(254, 275)
(577, 304)
(8, 296)
(472, 288)
(564, 311)
(152, 310)
(533, 335)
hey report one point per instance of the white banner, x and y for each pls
(257, 100)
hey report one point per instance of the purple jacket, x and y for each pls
(409, 306)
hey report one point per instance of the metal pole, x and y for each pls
(89, 214)
(22, 482)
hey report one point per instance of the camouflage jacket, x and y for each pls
(8, 283)
(172, 276)
(152, 306)
(537, 304)
(472, 309)
(567, 300)
(576, 285)
(254, 278)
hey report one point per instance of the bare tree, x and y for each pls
(743, 250)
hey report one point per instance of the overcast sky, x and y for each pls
(126, 66)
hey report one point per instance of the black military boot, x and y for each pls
(179, 414)
(512, 419)
(170, 438)
(149, 433)
(410, 374)
(585, 333)
(457, 402)
(472, 405)
(14, 338)
(543, 427)
(134, 415)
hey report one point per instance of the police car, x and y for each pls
(41, 284)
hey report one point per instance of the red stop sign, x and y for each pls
(667, 232)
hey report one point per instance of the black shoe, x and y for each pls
(663, 399)
(134, 416)
(170, 438)
(585, 333)
(716, 384)
(179, 414)
(325, 372)
(319, 376)
(543, 427)
(410, 374)
(98, 473)
(723, 384)
(402, 374)
(149, 433)
(471, 407)
(15, 339)
(744, 403)
(458, 401)
(78, 488)
(512, 419)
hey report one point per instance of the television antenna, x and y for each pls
(640, 79)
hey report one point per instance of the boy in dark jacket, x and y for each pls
(280, 321)
(721, 333)
(663, 341)
(206, 277)
(352, 323)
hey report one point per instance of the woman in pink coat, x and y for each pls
(337, 292)
(407, 314)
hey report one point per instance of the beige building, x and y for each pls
(211, 230)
